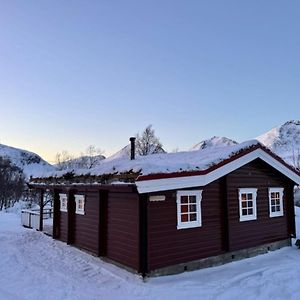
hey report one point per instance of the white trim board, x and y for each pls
(155, 185)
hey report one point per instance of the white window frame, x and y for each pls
(280, 191)
(252, 191)
(78, 198)
(63, 199)
(198, 221)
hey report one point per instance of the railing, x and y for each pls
(31, 218)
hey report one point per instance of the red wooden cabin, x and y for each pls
(231, 206)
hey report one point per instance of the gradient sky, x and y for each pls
(76, 73)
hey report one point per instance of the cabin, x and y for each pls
(168, 213)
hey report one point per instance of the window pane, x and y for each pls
(244, 212)
(184, 218)
(250, 211)
(193, 217)
(277, 202)
(184, 199)
(244, 197)
(193, 207)
(184, 208)
(277, 208)
(249, 196)
(273, 208)
(192, 199)
(250, 203)
(244, 203)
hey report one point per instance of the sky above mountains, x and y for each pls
(78, 73)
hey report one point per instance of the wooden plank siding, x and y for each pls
(63, 226)
(168, 246)
(221, 229)
(86, 227)
(123, 228)
(141, 234)
(264, 229)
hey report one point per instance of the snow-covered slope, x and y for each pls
(123, 153)
(284, 140)
(31, 163)
(213, 142)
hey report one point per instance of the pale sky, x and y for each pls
(79, 73)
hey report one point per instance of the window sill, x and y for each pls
(276, 215)
(80, 213)
(187, 226)
(248, 219)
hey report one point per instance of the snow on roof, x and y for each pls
(163, 163)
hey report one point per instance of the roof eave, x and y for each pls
(201, 179)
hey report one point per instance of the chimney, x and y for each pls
(132, 147)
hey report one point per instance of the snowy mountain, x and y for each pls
(284, 140)
(31, 163)
(214, 142)
(123, 153)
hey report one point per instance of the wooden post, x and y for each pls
(143, 253)
(41, 210)
(226, 211)
(71, 216)
(102, 226)
(290, 209)
(56, 215)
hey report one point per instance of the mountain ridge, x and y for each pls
(284, 140)
(215, 141)
(31, 163)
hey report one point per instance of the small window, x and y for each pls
(80, 201)
(188, 209)
(276, 202)
(63, 202)
(247, 202)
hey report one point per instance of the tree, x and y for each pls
(148, 143)
(92, 156)
(33, 197)
(63, 160)
(12, 183)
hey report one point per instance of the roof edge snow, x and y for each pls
(160, 182)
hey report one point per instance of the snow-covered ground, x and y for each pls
(34, 266)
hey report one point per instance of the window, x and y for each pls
(63, 202)
(276, 202)
(80, 201)
(188, 209)
(247, 201)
